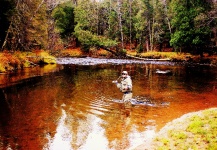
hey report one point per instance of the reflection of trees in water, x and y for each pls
(117, 128)
(5, 110)
(30, 110)
(118, 121)
(4, 100)
(199, 78)
(87, 93)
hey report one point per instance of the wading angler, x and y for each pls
(124, 83)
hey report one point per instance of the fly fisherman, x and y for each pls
(125, 86)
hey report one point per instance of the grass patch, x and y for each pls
(199, 131)
(173, 56)
(132, 53)
(46, 58)
(104, 53)
(177, 135)
(169, 55)
(196, 125)
(176, 57)
(77, 52)
(70, 53)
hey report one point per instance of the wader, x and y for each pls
(125, 87)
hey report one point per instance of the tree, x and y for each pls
(145, 23)
(27, 26)
(6, 8)
(139, 22)
(188, 25)
(212, 22)
(54, 41)
(87, 27)
(64, 21)
(119, 13)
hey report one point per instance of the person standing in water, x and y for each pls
(125, 86)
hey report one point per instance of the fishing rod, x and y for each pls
(115, 81)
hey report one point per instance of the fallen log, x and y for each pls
(148, 59)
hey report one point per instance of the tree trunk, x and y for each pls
(119, 5)
(9, 28)
(130, 24)
(6, 37)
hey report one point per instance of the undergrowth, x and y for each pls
(18, 60)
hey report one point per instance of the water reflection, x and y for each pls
(95, 135)
(8, 79)
(62, 137)
(78, 107)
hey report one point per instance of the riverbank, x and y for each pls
(195, 130)
(175, 57)
(132, 54)
(18, 60)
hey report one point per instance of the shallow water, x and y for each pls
(77, 107)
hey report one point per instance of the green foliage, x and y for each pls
(64, 19)
(139, 48)
(28, 26)
(186, 24)
(113, 24)
(86, 15)
(139, 22)
(123, 52)
(86, 30)
(89, 39)
(189, 29)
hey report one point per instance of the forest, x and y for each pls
(115, 25)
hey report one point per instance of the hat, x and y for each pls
(124, 72)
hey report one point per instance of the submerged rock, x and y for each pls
(163, 71)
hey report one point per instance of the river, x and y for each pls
(73, 105)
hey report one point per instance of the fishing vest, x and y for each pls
(125, 85)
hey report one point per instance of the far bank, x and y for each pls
(18, 60)
(11, 61)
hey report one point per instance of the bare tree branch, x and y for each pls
(42, 2)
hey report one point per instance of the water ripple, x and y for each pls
(96, 61)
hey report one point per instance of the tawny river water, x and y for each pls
(75, 106)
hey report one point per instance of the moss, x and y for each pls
(199, 131)
(165, 141)
(46, 58)
(177, 135)
(196, 125)
(26, 64)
